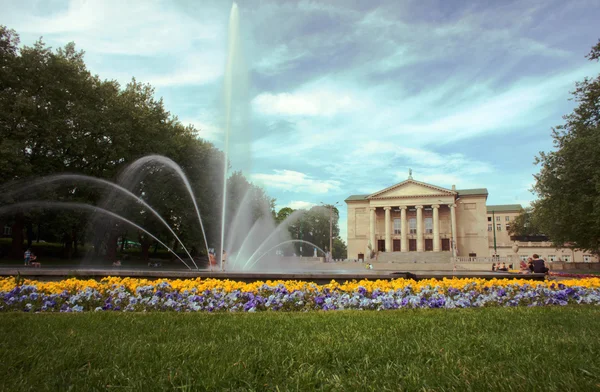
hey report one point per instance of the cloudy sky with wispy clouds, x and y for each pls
(343, 97)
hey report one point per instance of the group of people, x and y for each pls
(30, 259)
(501, 267)
(535, 265)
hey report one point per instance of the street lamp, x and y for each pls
(331, 225)
(494, 230)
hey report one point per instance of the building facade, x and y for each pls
(413, 220)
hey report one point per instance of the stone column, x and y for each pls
(403, 230)
(388, 231)
(372, 218)
(436, 227)
(420, 246)
(453, 219)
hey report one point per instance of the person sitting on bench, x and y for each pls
(538, 266)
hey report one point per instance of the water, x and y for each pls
(248, 239)
(106, 184)
(232, 54)
(81, 206)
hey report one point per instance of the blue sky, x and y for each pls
(343, 97)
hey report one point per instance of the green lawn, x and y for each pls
(541, 349)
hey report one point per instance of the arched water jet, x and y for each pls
(252, 233)
(136, 165)
(239, 225)
(282, 243)
(283, 225)
(56, 204)
(80, 177)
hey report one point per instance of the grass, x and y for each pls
(494, 348)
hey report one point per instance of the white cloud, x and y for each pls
(166, 47)
(300, 205)
(278, 60)
(119, 27)
(316, 103)
(294, 181)
(206, 130)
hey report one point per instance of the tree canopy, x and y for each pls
(56, 117)
(313, 226)
(568, 184)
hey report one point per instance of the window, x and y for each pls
(566, 258)
(489, 218)
(499, 227)
(507, 219)
(551, 258)
(428, 225)
(490, 228)
(497, 219)
(524, 257)
(472, 254)
(397, 226)
(7, 230)
(412, 224)
(507, 227)
(469, 206)
(587, 258)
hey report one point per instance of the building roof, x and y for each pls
(471, 192)
(356, 197)
(410, 180)
(504, 208)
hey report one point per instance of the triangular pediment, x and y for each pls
(411, 188)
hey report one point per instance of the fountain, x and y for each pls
(250, 241)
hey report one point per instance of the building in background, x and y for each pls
(418, 222)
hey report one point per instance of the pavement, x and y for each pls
(57, 272)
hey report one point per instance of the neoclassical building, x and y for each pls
(414, 220)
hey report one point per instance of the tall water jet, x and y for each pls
(232, 52)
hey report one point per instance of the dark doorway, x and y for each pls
(361, 256)
(412, 245)
(381, 245)
(396, 245)
(445, 244)
(428, 244)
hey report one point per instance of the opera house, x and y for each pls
(418, 222)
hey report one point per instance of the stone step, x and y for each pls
(414, 257)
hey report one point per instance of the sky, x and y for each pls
(334, 98)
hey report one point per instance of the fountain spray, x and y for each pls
(231, 57)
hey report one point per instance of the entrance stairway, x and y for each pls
(414, 257)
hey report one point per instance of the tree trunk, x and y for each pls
(74, 237)
(155, 248)
(68, 241)
(174, 247)
(145, 248)
(29, 234)
(112, 246)
(38, 233)
(17, 236)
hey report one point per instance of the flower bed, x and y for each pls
(212, 295)
(570, 275)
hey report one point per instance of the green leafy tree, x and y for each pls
(568, 184)
(56, 117)
(283, 213)
(340, 250)
(524, 224)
